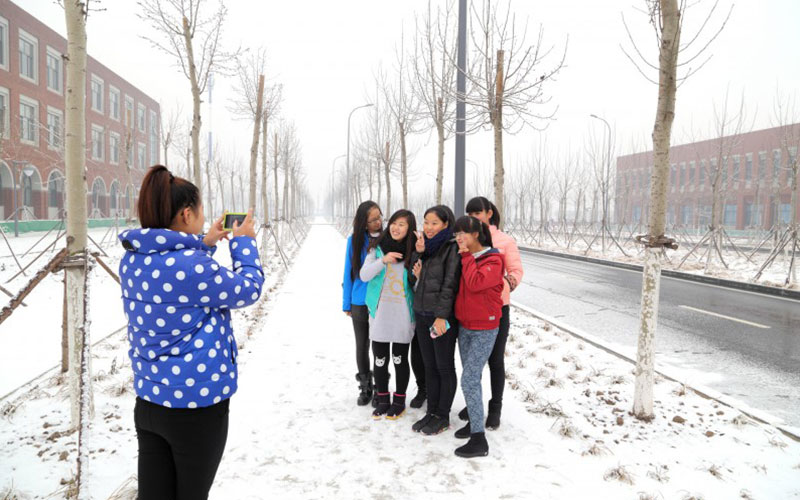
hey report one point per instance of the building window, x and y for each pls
(141, 152)
(785, 213)
(724, 169)
(129, 149)
(113, 148)
(682, 175)
(153, 138)
(55, 125)
(98, 141)
(672, 174)
(55, 71)
(701, 179)
(55, 190)
(737, 162)
(97, 94)
(748, 167)
(729, 217)
(3, 43)
(140, 117)
(692, 173)
(4, 112)
(113, 102)
(28, 56)
(27, 191)
(28, 120)
(129, 112)
(686, 215)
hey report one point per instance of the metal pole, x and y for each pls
(347, 206)
(461, 88)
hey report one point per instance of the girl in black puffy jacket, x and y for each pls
(437, 273)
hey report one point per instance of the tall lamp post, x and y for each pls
(28, 171)
(461, 92)
(606, 173)
(347, 205)
(333, 180)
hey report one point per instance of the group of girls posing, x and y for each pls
(428, 291)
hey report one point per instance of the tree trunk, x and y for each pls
(651, 276)
(264, 184)
(276, 212)
(286, 174)
(387, 166)
(210, 201)
(378, 173)
(403, 164)
(254, 146)
(77, 225)
(497, 123)
(196, 121)
(440, 152)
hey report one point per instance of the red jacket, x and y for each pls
(479, 301)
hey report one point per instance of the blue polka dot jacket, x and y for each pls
(177, 299)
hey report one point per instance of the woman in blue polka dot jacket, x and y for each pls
(182, 348)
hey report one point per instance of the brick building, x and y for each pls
(754, 180)
(32, 86)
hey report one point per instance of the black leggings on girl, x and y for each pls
(360, 317)
(380, 350)
(440, 364)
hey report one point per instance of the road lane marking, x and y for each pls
(703, 311)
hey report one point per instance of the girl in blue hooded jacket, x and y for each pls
(182, 348)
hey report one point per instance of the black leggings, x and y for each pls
(418, 365)
(179, 449)
(380, 350)
(360, 316)
(497, 363)
(439, 356)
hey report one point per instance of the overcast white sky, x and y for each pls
(325, 54)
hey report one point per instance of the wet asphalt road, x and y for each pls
(743, 344)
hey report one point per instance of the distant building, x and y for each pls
(755, 181)
(32, 83)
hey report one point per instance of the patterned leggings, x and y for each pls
(475, 346)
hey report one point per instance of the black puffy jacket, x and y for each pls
(437, 286)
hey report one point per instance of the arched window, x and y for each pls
(27, 191)
(98, 192)
(55, 190)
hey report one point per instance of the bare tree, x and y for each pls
(666, 18)
(169, 128)
(507, 79)
(433, 76)
(190, 33)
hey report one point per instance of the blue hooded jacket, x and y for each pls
(177, 300)
(354, 292)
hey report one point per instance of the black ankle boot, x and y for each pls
(382, 405)
(398, 407)
(374, 386)
(365, 385)
(464, 432)
(475, 447)
(493, 418)
(419, 424)
(464, 415)
(436, 425)
(419, 399)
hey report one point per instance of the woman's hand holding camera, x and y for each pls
(248, 227)
(215, 233)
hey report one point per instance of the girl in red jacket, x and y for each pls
(478, 309)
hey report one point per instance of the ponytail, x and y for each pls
(482, 204)
(162, 196)
(467, 224)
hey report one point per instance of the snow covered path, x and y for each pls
(295, 431)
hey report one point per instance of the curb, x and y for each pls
(707, 280)
(668, 372)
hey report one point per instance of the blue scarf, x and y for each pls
(433, 245)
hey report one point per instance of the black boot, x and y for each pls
(419, 424)
(398, 407)
(493, 418)
(475, 447)
(382, 405)
(374, 385)
(365, 385)
(419, 399)
(464, 432)
(464, 415)
(436, 425)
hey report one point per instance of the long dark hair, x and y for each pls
(359, 235)
(481, 204)
(410, 242)
(468, 224)
(162, 196)
(444, 214)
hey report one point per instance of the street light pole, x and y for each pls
(347, 205)
(461, 90)
(606, 174)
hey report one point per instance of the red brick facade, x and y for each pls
(25, 40)
(755, 187)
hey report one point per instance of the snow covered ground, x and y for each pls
(295, 431)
